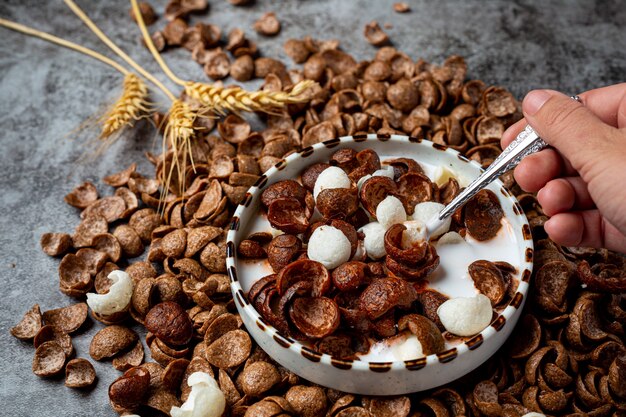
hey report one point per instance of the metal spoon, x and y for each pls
(526, 143)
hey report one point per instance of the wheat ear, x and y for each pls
(130, 107)
(220, 100)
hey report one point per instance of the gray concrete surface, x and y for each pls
(46, 92)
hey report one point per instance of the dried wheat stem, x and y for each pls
(130, 107)
(218, 99)
(104, 38)
(150, 44)
(62, 42)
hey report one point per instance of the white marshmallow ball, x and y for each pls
(410, 349)
(390, 211)
(465, 316)
(415, 233)
(451, 238)
(331, 177)
(118, 297)
(374, 241)
(427, 212)
(329, 246)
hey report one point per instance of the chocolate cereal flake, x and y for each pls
(68, 319)
(30, 324)
(48, 360)
(79, 373)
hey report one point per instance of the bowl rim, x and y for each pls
(448, 355)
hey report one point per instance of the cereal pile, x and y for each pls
(567, 356)
(361, 277)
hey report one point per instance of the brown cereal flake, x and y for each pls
(88, 228)
(230, 350)
(129, 359)
(79, 373)
(67, 319)
(267, 25)
(30, 324)
(48, 360)
(55, 244)
(375, 35)
(82, 196)
(111, 341)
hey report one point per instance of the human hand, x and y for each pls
(581, 179)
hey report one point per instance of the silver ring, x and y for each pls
(578, 99)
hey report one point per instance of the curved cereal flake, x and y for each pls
(388, 407)
(144, 221)
(129, 241)
(499, 102)
(250, 249)
(30, 324)
(55, 244)
(50, 333)
(415, 188)
(111, 208)
(68, 319)
(230, 350)
(210, 202)
(140, 185)
(485, 396)
(79, 373)
(173, 374)
(234, 129)
(350, 276)
(88, 228)
(107, 243)
(131, 389)
(288, 215)
(611, 284)
(282, 250)
(130, 200)
(353, 411)
(374, 190)
(173, 244)
(527, 337)
(488, 279)
(552, 282)
(258, 378)
(304, 270)
(129, 359)
(110, 341)
(426, 332)
(227, 386)
(310, 174)
(74, 277)
(48, 360)
(315, 317)
(219, 327)
(222, 167)
(337, 203)
(121, 178)
(483, 215)
(281, 190)
(383, 294)
(93, 259)
(375, 35)
(82, 196)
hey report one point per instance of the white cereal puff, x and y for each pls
(390, 211)
(374, 240)
(426, 212)
(331, 177)
(465, 316)
(329, 246)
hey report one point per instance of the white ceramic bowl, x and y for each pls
(375, 378)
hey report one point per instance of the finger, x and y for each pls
(568, 126)
(608, 103)
(565, 194)
(585, 228)
(536, 170)
(512, 132)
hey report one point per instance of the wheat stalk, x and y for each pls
(219, 99)
(130, 107)
(179, 131)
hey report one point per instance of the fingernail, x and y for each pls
(535, 100)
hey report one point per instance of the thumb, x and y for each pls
(578, 134)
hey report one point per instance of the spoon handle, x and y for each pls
(526, 143)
